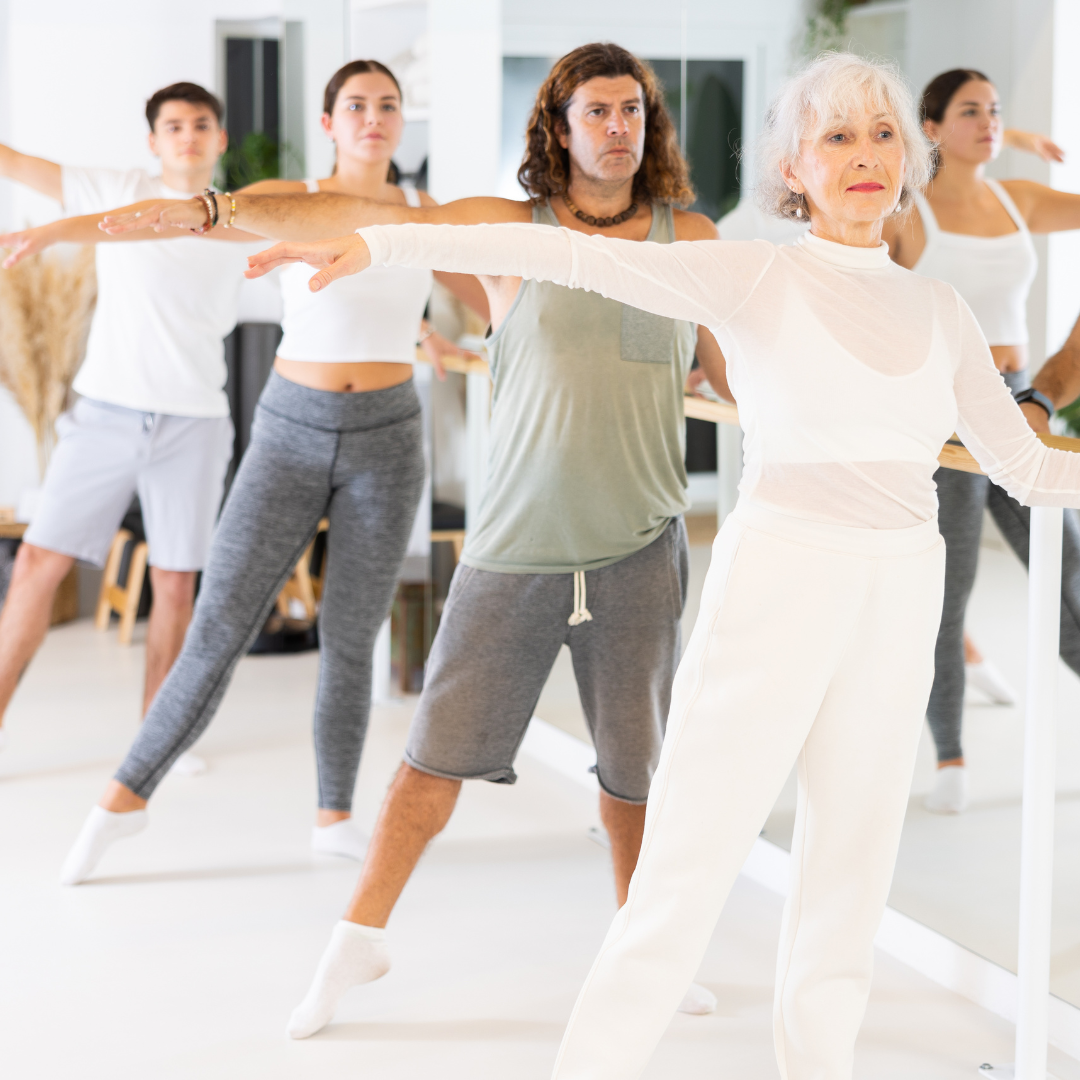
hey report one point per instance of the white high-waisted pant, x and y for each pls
(815, 644)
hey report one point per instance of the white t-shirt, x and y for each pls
(163, 306)
(849, 371)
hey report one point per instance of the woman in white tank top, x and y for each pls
(337, 434)
(975, 234)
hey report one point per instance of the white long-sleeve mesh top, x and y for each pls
(850, 372)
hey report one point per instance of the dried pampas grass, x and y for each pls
(46, 302)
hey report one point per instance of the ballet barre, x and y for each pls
(1040, 751)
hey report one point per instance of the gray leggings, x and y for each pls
(355, 458)
(962, 498)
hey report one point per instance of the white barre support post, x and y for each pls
(477, 435)
(1037, 819)
(1037, 822)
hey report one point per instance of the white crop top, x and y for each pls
(366, 317)
(992, 273)
(850, 372)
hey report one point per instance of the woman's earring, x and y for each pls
(798, 211)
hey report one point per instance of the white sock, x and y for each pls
(356, 955)
(99, 830)
(342, 838)
(986, 678)
(698, 1001)
(950, 794)
(188, 764)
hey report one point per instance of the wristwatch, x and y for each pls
(1031, 394)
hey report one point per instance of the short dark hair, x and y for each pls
(183, 91)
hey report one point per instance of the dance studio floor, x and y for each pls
(185, 956)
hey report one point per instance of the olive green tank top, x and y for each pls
(587, 429)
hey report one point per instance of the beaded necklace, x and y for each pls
(602, 222)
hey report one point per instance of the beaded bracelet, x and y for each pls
(210, 205)
(211, 201)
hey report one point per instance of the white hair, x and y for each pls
(827, 90)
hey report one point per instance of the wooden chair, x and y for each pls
(307, 587)
(123, 599)
(450, 536)
(303, 585)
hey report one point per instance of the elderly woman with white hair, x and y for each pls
(815, 640)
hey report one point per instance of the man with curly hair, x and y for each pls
(580, 538)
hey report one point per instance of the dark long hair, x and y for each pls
(938, 95)
(663, 176)
(341, 77)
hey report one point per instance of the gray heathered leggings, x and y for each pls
(962, 498)
(355, 458)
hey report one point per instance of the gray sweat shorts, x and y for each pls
(498, 640)
(108, 453)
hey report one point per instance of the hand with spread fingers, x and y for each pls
(24, 243)
(333, 259)
(1031, 142)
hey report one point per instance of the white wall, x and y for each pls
(466, 94)
(325, 27)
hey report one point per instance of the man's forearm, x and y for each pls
(1059, 377)
(319, 216)
(328, 214)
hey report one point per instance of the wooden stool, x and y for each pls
(123, 599)
(303, 585)
(450, 536)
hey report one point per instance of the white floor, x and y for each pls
(184, 957)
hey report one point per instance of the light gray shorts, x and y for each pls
(499, 637)
(107, 454)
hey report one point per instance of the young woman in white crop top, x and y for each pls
(814, 644)
(975, 234)
(337, 434)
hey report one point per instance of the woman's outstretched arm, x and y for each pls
(701, 281)
(993, 428)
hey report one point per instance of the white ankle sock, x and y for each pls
(356, 954)
(99, 830)
(188, 764)
(698, 1001)
(342, 838)
(950, 794)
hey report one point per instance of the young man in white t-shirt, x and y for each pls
(152, 417)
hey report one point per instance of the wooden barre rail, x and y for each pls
(953, 454)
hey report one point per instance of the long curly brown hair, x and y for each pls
(663, 176)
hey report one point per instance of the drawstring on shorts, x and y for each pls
(581, 612)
